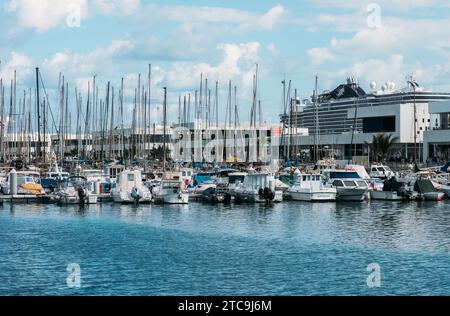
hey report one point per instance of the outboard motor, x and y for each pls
(136, 195)
(261, 193)
(81, 196)
(268, 195)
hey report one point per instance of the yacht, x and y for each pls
(310, 187)
(130, 189)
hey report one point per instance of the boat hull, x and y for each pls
(126, 198)
(351, 194)
(433, 196)
(385, 195)
(174, 198)
(314, 196)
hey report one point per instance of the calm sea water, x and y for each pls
(292, 248)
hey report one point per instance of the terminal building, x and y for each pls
(436, 140)
(349, 115)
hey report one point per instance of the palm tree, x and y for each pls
(381, 144)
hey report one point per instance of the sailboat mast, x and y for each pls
(2, 111)
(164, 128)
(121, 120)
(38, 115)
(316, 120)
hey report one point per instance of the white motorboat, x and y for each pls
(348, 183)
(76, 191)
(310, 187)
(27, 183)
(258, 187)
(171, 190)
(350, 189)
(381, 171)
(394, 190)
(130, 189)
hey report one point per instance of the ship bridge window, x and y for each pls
(338, 183)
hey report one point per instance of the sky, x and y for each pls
(373, 41)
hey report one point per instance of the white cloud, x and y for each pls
(273, 49)
(240, 19)
(378, 70)
(237, 60)
(320, 55)
(272, 18)
(19, 62)
(397, 5)
(117, 7)
(79, 67)
(43, 15)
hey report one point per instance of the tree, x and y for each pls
(381, 145)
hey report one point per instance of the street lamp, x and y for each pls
(414, 85)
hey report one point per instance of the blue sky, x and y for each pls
(290, 40)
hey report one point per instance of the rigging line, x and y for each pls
(48, 102)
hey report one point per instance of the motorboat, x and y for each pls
(130, 189)
(171, 190)
(310, 187)
(76, 190)
(394, 190)
(258, 187)
(216, 195)
(381, 171)
(27, 183)
(349, 185)
(350, 189)
(427, 191)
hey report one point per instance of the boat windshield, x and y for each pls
(174, 186)
(344, 175)
(361, 184)
(349, 183)
(234, 179)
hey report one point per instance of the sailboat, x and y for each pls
(172, 188)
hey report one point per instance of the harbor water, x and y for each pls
(292, 248)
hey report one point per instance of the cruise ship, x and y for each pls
(349, 115)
